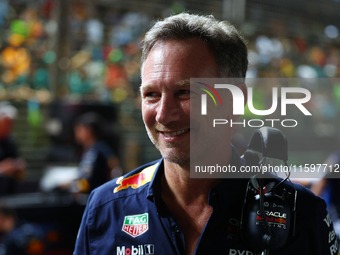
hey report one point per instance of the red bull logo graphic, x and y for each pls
(134, 181)
(273, 222)
(137, 180)
(272, 219)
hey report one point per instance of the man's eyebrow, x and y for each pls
(181, 83)
(146, 86)
(184, 82)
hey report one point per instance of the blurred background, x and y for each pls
(62, 59)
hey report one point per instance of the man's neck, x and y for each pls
(181, 187)
(178, 185)
(187, 199)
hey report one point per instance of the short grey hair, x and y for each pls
(225, 42)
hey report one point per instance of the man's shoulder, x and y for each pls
(133, 183)
(313, 226)
(304, 196)
(308, 206)
(307, 200)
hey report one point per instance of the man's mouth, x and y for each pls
(172, 134)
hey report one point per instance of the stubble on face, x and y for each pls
(174, 156)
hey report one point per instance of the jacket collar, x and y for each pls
(224, 196)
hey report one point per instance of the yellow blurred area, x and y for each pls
(119, 95)
(287, 68)
(16, 40)
(83, 185)
(17, 60)
(8, 76)
(317, 55)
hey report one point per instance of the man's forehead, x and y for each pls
(163, 51)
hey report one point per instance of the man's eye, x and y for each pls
(150, 94)
(184, 91)
(184, 94)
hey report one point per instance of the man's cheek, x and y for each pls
(145, 113)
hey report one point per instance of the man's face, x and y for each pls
(165, 93)
(82, 134)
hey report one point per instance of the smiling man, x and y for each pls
(158, 208)
(166, 94)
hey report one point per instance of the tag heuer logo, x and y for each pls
(136, 225)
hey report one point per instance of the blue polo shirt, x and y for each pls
(127, 216)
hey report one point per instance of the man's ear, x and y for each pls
(243, 87)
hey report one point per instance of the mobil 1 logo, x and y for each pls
(146, 249)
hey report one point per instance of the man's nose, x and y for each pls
(168, 110)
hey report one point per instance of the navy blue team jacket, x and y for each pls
(127, 216)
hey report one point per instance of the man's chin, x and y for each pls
(175, 155)
(182, 161)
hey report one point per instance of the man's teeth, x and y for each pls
(176, 133)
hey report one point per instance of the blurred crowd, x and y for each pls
(97, 56)
(50, 54)
(41, 234)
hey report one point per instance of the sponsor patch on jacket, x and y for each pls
(136, 225)
(137, 180)
(146, 249)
